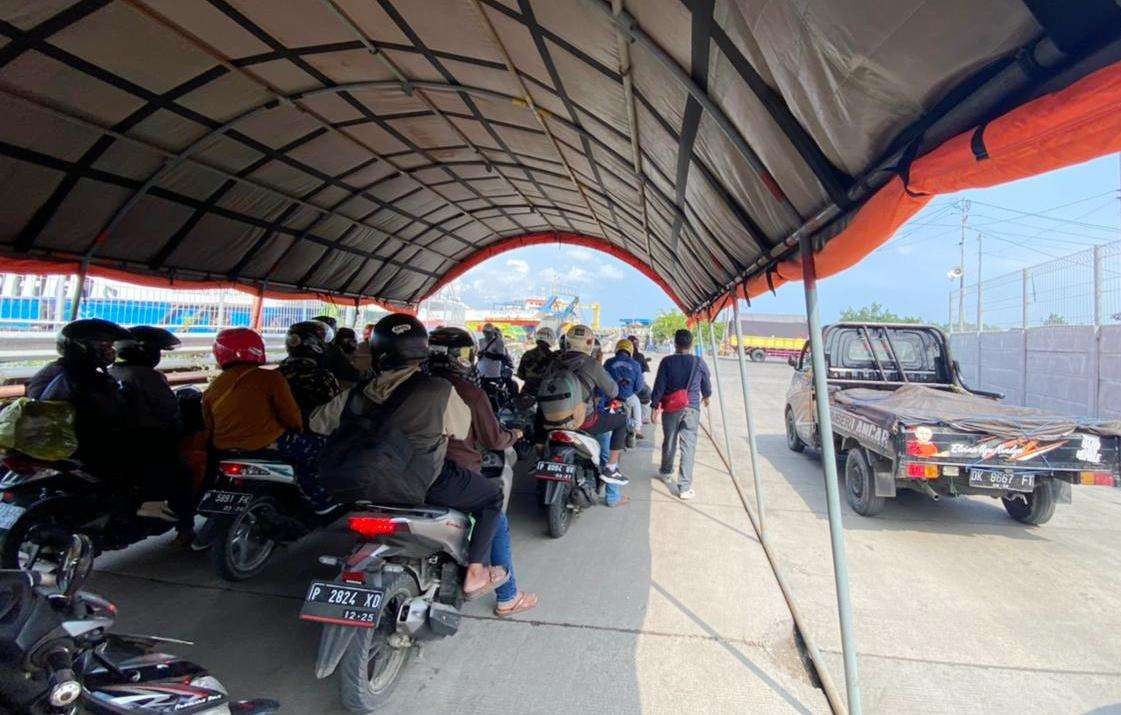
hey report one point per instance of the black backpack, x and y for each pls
(368, 458)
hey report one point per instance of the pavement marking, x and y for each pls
(982, 666)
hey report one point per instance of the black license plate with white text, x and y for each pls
(224, 503)
(1002, 479)
(342, 604)
(558, 471)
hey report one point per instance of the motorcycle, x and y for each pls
(58, 656)
(568, 477)
(401, 585)
(43, 501)
(254, 506)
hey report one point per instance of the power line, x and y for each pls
(1037, 214)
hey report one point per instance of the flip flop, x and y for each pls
(522, 602)
(623, 501)
(488, 587)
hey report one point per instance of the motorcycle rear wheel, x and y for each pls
(370, 668)
(558, 513)
(15, 548)
(240, 552)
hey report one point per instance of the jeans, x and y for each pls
(680, 427)
(502, 555)
(611, 492)
(613, 424)
(301, 450)
(471, 492)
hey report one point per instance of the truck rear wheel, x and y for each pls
(758, 355)
(1035, 508)
(860, 484)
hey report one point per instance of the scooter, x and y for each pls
(401, 585)
(42, 503)
(58, 656)
(254, 506)
(569, 472)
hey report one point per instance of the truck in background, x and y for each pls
(769, 336)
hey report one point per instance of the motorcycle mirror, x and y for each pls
(76, 565)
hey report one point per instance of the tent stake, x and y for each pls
(720, 397)
(750, 417)
(829, 463)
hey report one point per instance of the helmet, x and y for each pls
(346, 340)
(90, 341)
(307, 339)
(452, 346)
(581, 339)
(233, 346)
(626, 346)
(330, 323)
(399, 338)
(144, 344)
(545, 335)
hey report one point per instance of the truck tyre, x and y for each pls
(1035, 508)
(793, 441)
(758, 355)
(860, 484)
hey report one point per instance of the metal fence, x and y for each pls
(1083, 288)
(31, 304)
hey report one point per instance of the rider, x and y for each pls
(451, 353)
(78, 376)
(158, 422)
(250, 409)
(429, 414)
(312, 384)
(644, 392)
(536, 361)
(628, 375)
(495, 366)
(335, 359)
(580, 341)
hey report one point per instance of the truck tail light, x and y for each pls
(1097, 479)
(917, 470)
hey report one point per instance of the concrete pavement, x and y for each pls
(659, 606)
(957, 607)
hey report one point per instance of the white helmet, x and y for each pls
(545, 335)
(581, 338)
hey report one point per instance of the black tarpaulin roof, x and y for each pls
(372, 148)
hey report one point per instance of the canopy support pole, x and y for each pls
(256, 313)
(79, 286)
(720, 397)
(749, 416)
(829, 463)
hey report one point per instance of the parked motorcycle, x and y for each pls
(401, 585)
(255, 506)
(42, 503)
(569, 471)
(58, 656)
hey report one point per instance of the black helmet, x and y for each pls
(454, 347)
(346, 340)
(144, 344)
(90, 341)
(399, 338)
(308, 339)
(329, 322)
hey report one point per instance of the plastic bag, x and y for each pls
(41, 429)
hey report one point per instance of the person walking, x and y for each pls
(681, 385)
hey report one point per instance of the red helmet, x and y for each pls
(239, 345)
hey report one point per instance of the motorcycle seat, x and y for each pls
(426, 511)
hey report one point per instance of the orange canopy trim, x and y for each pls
(1076, 124)
(50, 267)
(559, 237)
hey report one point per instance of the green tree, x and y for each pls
(876, 313)
(669, 322)
(1055, 319)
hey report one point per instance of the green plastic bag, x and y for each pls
(42, 429)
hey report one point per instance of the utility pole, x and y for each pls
(980, 294)
(961, 262)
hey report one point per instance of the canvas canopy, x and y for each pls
(376, 149)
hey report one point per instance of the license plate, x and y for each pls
(1002, 479)
(342, 604)
(555, 470)
(9, 513)
(219, 502)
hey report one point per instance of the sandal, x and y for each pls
(502, 577)
(623, 501)
(522, 602)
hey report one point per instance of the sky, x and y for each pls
(1070, 209)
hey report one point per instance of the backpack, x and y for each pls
(368, 457)
(560, 396)
(624, 373)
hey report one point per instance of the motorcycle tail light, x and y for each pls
(371, 526)
(19, 464)
(7, 497)
(562, 437)
(355, 577)
(231, 469)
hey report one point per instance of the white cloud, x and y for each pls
(582, 255)
(610, 270)
(573, 275)
(518, 266)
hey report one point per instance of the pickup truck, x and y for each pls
(903, 419)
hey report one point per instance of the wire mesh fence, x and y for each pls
(1083, 288)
